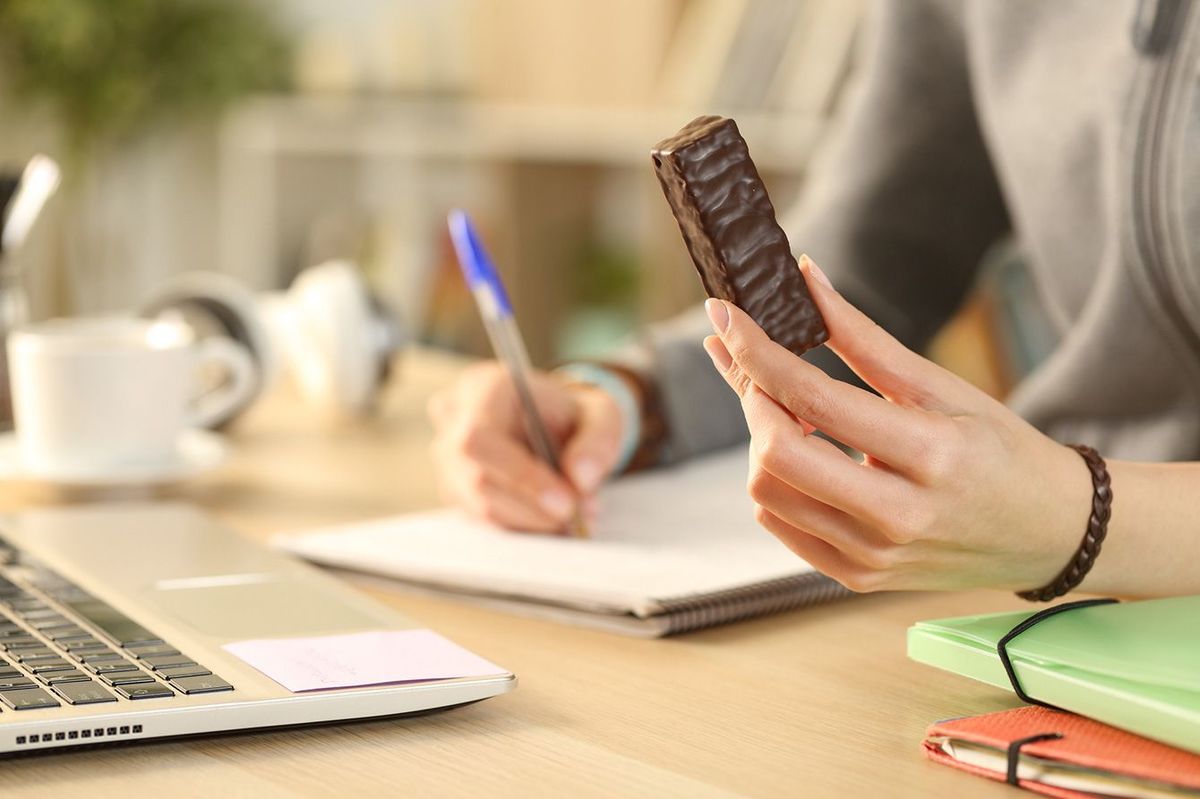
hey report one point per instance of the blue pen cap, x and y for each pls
(476, 266)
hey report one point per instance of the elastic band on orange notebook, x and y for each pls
(1014, 754)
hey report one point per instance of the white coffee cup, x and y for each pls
(96, 393)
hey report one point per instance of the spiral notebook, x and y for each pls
(674, 549)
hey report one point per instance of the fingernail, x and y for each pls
(557, 504)
(718, 314)
(716, 350)
(815, 271)
(587, 474)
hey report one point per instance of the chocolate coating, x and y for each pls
(729, 226)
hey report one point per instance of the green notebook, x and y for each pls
(1134, 665)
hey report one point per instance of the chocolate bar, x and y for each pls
(728, 224)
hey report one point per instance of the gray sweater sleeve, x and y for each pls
(898, 211)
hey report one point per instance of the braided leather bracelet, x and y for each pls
(1097, 528)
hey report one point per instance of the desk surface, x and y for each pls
(819, 702)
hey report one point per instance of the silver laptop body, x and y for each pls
(96, 592)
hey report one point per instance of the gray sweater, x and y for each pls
(1074, 124)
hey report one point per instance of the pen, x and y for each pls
(484, 282)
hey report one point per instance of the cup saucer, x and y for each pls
(196, 451)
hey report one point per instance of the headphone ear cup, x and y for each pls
(218, 305)
(328, 330)
(338, 339)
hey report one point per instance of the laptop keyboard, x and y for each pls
(61, 645)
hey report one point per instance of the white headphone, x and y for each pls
(328, 331)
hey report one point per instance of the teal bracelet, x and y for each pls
(615, 386)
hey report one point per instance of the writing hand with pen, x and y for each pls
(484, 459)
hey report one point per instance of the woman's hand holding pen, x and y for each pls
(955, 490)
(484, 460)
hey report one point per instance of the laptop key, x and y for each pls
(173, 673)
(42, 668)
(8, 671)
(162, 661)
(46, 625)
(201, 685)
(150, 690)
(14, 683)
(41, 655)
(28, 699)
(43, 612)
(126, 678)
(55, 677)
(112, 622)
(24, 603)
(110, 668)
(99, 657)
(151, 650)
(15, 644)
(83, 693)
(68, 633)
(82, 645)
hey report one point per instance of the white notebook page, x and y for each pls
(661, 535)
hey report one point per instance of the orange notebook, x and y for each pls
(1062, 754)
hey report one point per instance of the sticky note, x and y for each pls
(359, 659)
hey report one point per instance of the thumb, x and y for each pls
(872, 353)
(594, 446)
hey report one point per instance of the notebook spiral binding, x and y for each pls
(757, 599)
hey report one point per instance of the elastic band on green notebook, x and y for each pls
(1035, 619)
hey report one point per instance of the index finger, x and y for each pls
(858, 418)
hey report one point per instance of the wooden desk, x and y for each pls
(820, 702)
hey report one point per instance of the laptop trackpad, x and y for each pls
(273, 607)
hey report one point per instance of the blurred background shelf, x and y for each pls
(258, 138)
(450, 129)
(565, 195)
(536, 115)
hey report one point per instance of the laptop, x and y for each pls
(114, 619)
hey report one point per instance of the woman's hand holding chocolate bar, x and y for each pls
(955, 490)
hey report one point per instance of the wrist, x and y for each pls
(1053, 520)
(593, 377)
(1086, 553)
(645, 432)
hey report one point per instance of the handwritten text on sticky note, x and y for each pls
(358, 659)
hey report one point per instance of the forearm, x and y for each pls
(1153, 542)
(698, 413)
